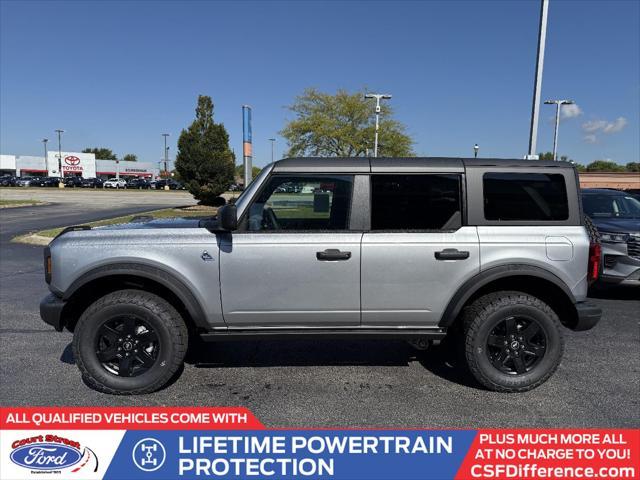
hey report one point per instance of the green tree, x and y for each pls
(101, 153)
(604, 166)
(130, 157)
(632, 167)
(342, 125)
(205, 162)
(255, 171)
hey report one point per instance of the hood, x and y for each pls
(179, 222)
(617, 225)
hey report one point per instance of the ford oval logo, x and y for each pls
(45, 456)
(71, 160)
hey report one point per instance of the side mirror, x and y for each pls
(228, 217)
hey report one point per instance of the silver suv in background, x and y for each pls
(493, 254)
(616, 215)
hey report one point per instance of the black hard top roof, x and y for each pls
(403, 164)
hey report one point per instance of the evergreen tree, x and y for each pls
(205, 162)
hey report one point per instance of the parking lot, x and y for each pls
(306, 383)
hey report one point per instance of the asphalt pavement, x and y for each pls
(317, 383)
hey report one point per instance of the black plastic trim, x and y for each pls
(475, 283)
(345, 334)
(588, 316)
(51, 308)
(155, 274)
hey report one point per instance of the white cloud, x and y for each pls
(593, 128)
(616, 125)
(570, 111)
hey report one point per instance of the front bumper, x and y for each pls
(618, 264)
(588, 316)
(51, 308)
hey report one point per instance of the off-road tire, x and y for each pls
(592, 230)
(166, 321)
(484, 314)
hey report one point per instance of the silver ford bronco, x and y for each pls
(495, 255)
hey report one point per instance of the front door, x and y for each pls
(418, 252)
(293, 261)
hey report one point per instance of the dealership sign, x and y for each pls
(72, 163)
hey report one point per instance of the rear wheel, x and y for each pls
(513, 341)
(129, 342)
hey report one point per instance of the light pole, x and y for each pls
(476, 147)
(378, 97)
(46, 153)
(558, 104)
(166, 153)
(59, 132)
(273, 142)
(537, 85)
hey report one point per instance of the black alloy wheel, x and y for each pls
(127, 346)
(516, 345)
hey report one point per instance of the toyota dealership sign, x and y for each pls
(73, 163)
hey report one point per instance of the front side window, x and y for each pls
(525, 196)
(608, 206)
(416, 202)
(319, 202)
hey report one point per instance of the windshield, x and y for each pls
(611, 206)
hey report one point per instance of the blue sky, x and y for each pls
(117, 74)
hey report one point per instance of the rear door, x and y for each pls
(418, 252)
(294, 262)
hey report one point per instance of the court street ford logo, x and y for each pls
(71, 160)
(46, 453)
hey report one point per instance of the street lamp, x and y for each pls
(378, 97)
(59, 132)
(558, 104)
(273, 142)
(44, 141)
(476, 147)
(166, 153)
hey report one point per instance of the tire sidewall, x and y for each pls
(548, 363)
(85, 338)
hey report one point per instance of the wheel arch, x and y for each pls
(526, 278)
(108, 278)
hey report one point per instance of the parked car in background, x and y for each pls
(115, 183)
(26, 181)
(91, 183)
(7, 181)
(47, 182)
(73, 182)
(173, 184)
(139, 183)
(616, 214)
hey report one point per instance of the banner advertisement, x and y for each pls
(206, 442)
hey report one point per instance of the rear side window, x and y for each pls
(415, 202)
(525, 196)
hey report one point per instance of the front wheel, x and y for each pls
(129, 342)
(513, 341)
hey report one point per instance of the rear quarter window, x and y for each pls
(525, 196)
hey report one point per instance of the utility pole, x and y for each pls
(166, 153)
(273, 142)
(537, 86)
(378, 97)
(60, 132)
(476, 147)
(558, 104)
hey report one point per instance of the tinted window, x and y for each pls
(415, 202)
(319, 202)
(603, 206)
(525, 196)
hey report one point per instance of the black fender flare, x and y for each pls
(475, 283)
(150, 272)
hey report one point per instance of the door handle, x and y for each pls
(451, 254)
(333, 254)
